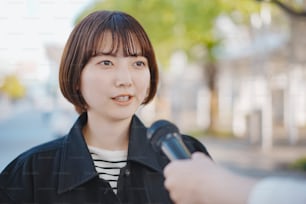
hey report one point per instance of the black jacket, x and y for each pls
(62, 171)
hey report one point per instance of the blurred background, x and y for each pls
(232, 75)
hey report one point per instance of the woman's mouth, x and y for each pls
(122, 98)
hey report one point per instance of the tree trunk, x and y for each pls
(211, 79)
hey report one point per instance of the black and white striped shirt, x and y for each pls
(108, 164)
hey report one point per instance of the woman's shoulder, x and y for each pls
(45, 150)
(36, 164)
(49, 146)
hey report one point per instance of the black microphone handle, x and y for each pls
(174, 148)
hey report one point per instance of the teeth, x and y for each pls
(122, 98)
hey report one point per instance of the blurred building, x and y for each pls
(261, 82)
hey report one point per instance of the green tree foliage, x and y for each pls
(177, 24)
(299, 164)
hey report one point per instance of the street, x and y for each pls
(25, 127)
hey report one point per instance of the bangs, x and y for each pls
(126, 40)
(125, 32)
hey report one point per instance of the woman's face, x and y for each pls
(114, 85)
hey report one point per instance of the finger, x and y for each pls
(167, 169)
(170, 167)
(167, 184)
(198, 155)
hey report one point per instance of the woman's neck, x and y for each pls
(107, 134)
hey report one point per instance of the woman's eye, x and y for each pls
(140, 64)
(106, 63)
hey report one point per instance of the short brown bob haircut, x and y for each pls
(84, 41)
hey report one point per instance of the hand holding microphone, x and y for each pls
(165, 135)
(195, 178)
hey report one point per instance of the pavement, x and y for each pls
(244, 158)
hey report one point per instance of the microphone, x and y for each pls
(165, 135)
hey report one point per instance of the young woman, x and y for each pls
(108, 69)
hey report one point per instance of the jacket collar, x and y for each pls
(76, 165)
(140, 150)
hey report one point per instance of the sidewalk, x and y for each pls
(5, 108)
(8, 108)
(244, 158)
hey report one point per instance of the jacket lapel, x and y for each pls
(140, 150)
(76, 166)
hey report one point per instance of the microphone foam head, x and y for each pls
(159, 130)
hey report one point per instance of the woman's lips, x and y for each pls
(123, 99)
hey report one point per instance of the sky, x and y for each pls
(27, 25)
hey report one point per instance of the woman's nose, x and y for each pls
(123, 77)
